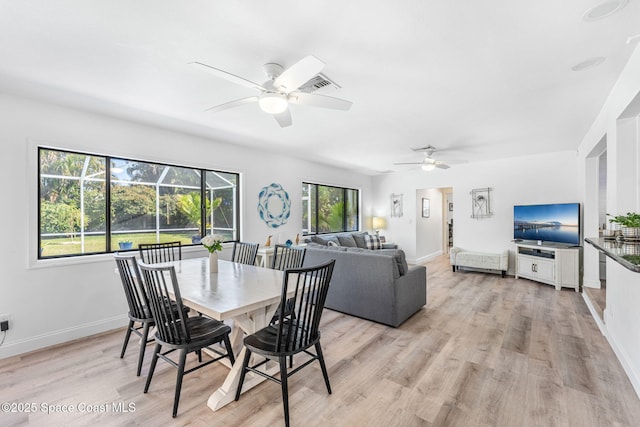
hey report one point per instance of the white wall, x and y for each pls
(54, 301)
(619, 123)
(429, 231)
(545, 178)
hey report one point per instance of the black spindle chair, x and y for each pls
(293, 334)
(244, 253)
(153, 253)
(177, 331)
(140, 317)
(285, 257)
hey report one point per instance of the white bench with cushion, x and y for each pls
(472, 259)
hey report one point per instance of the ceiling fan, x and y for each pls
(428, 163)
(282, 89)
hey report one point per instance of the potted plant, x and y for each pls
(190, 206)
(629, 224)
(213, 245)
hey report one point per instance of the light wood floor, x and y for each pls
(485, 351)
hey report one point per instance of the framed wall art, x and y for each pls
(396, 205)
(426, 208)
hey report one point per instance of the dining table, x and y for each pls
(243, 296)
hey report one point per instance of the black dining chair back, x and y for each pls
(285, 257)
(153, 253)
(244, 253)
(307, 289)
(176, 330)
(140, 318)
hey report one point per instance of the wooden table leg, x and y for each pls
(247, 323)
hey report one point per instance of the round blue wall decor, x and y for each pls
(274, 205)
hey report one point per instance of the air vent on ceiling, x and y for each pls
(319, 81)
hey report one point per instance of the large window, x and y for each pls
(92, 204)
(327, 209)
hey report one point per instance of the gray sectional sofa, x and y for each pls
(376, 285)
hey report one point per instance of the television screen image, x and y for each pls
(550, 223)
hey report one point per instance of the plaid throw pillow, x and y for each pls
(372, 241)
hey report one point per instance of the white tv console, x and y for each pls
(552, 263)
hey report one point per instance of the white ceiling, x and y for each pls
(481, 79)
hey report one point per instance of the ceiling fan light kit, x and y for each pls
(273, 103)
(428, 163)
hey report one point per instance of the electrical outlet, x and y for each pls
(4, 322)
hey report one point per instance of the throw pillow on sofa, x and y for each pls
(359, 239)
(372, 241)
(347, 240)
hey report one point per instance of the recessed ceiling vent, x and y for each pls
(319, 81)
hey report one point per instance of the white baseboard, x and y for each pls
(591, 283)
(633, 376)
(14, 348)
(594, 314)
(425, 258)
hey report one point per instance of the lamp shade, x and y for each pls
(428, 167)
(378, 223)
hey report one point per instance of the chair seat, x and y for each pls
(265, 342)
(204, 331)
(148, 317)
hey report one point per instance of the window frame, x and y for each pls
(39, 148)
(345, 209)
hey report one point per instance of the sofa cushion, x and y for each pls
(312, 245)
(347, 240)
(358, 250)
(359, 239)
(372, 241)
(400, 258)
(325, 239)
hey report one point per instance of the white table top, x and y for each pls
(236, 288)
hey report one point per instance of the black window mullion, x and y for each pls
(107, 207)
(39, 202)
(203, 203)
(344, 209)
(317, 208)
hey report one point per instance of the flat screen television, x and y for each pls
(559, 222)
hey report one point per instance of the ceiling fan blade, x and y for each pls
(427, 148)
(442, 166)
(228, 76)
(300, 72)
(284, 118)
(409, 163)
(315, 100)
(232, 104)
